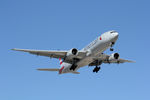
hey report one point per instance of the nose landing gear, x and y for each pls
(112, 43)
(111, 49)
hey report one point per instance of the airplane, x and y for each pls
(91, 55)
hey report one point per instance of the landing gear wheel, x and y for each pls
(96, 69)
(73, 67)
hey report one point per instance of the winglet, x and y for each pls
(13, 49)
(131, 61)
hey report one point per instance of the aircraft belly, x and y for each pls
(67, 70)
(85, 61)
(101, 47)
(96, 50)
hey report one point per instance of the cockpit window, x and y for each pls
(113, 32)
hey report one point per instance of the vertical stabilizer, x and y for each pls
(61, 65)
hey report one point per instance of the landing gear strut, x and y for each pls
(111, 49)
(96, 69)
(98, 63)
(74, 66)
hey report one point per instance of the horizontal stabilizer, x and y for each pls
(75, 72)
(48, 69)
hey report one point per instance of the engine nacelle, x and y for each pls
(72, 52)
(114, 56)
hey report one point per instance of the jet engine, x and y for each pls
(114, 56)
(73, 52)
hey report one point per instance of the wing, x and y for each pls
(52, 54)
(118, 61)
(103, 58)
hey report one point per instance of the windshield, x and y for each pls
(113, 32)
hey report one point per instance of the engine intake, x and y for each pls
(114, 56)
(73, 52)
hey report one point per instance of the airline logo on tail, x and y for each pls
(61, 66)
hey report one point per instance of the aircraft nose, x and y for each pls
(116, 34)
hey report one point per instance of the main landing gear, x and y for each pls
(96, 69)
(74, 66)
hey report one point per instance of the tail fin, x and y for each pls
(60, 62)
(61, 66)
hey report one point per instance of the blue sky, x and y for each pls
(62, 25)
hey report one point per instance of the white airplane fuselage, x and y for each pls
(95, 48)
